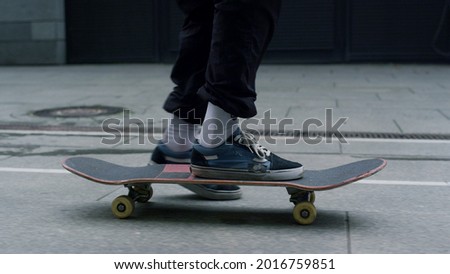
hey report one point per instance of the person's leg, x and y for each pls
(188, 73)
(187, 107)
(242, 30)
(241, 33)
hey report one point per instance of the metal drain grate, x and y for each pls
(298, 134)
(409, 136)
(362, 135)
(78, 111)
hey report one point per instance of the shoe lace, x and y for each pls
(249, 140)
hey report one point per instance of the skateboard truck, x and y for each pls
(140, 193)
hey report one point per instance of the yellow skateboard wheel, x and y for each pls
(304, 213)
(122, 207)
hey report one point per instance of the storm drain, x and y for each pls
(78, 111)
(362, 135)
(408, 136)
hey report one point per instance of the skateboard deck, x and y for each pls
(139, 179)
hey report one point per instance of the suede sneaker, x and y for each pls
(163, 155)
(242, 158)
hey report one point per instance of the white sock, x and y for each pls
(217, 127)
(180, 135)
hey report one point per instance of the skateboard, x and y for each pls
(138, 180)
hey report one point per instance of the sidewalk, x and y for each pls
(377, 98)
(399, 112)
(405, 100)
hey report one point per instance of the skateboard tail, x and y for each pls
(111, 174)
(382, 165)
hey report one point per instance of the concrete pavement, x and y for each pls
(399, 112)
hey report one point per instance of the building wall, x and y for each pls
(116, 31)
(32, 32)
(309, 31)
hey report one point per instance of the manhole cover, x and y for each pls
(78, 111)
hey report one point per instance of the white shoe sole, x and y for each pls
(213, 194)
(237, 174)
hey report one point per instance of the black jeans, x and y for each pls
(221, 46)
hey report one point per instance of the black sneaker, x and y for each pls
(242, 158)
(163, 155)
